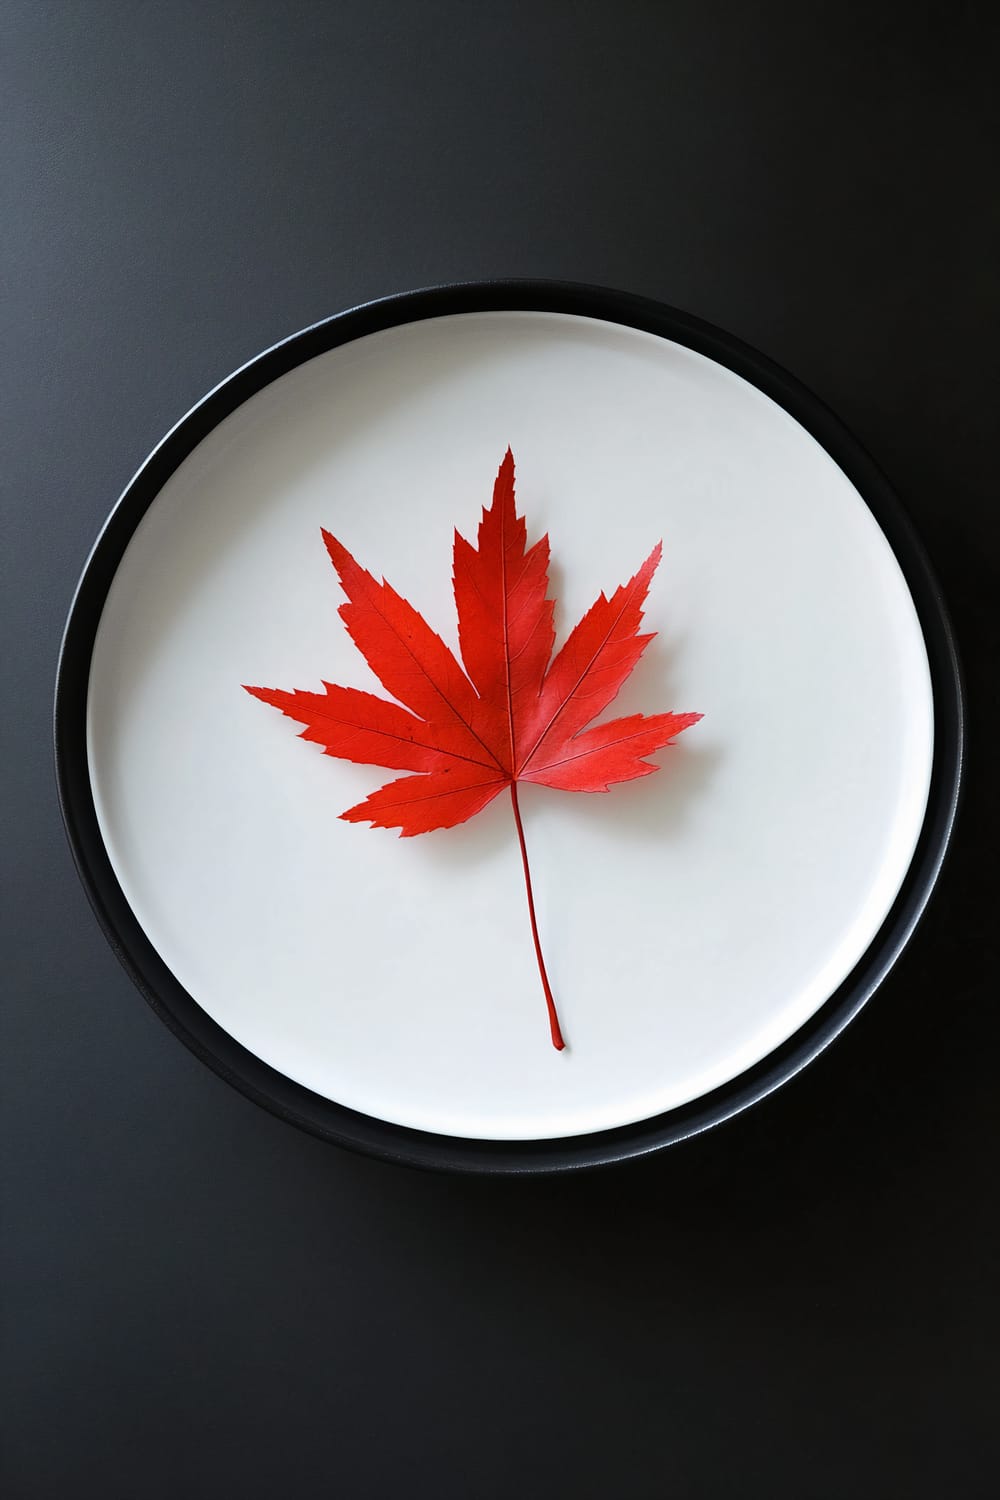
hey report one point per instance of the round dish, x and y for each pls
(708, 929)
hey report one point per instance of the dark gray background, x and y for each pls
(198, 1300)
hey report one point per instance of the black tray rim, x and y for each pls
(334, 1122)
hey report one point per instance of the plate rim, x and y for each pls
(369, 1134)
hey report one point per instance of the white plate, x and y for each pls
(692, 921)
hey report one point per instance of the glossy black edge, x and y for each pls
(334, 1122)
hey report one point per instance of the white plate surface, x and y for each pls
(693, 920)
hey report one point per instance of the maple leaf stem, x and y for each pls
(557, 1037)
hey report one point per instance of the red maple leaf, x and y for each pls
(510, 716)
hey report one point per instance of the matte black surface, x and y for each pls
(324, 1117)
(200, 1300)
